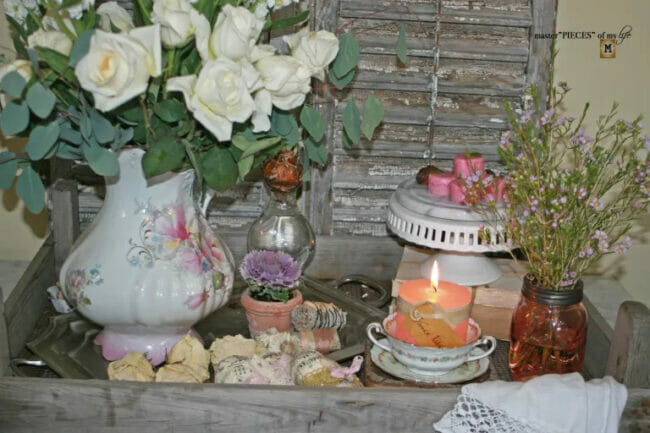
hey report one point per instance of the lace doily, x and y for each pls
(470, 415)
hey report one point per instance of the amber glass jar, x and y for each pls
(548, 332)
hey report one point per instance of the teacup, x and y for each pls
(431, 361)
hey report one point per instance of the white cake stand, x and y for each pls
(435, 222)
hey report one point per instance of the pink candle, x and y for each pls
(466, 165)
(442, 312)
(457, 192)
(439, 183)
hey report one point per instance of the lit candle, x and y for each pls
(433, 313)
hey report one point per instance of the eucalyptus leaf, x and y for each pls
(219, 169)
(352, 122)
(165, 155)
(343, 81)
(347, 57)
(122, 137)
(373, 114)
(284, 124)
(31, 190)
(346, 140)
(13, 84)
(316, 152)
(40, 100)
(103, 130)
(284, 23)
(244, 165)
(313, 122)
(41, 140)
(66, 151)
(70, 135)
(401, 44)
(80, 47)
(8, 167)
(14, 118)
(306, 172)
(260, 145)
(102, 161)
(170, 110)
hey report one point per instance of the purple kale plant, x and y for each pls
(270, 274)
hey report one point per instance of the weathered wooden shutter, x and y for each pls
(465, 60)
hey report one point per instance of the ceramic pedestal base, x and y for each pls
(117, 341)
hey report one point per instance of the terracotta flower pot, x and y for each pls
(263, 315)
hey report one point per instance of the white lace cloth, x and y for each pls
(548, 404)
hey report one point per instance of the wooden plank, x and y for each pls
(537, 71)
(28, 299)
(599, 336)
(317, 199)
(629, 356)
(64, 218)
(65, 405)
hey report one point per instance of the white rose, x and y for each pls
(220, 95)
(234, 34)
(117, 67)
(52, 39)
(176, 18)
(286, 79)
(111, 13)
(23, 67)
(314, 49)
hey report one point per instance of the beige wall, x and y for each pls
(623, 79)
(21, 232)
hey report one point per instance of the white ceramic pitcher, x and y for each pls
(149, 266)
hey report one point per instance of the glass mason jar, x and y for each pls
(282, 227)
(548, 332)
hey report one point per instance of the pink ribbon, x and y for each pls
(348, 373)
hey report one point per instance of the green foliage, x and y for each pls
(352, 122)
(316, 152)
(80, 47)
(401, 44)
(284, 23)
(14, 118)
(343, 81)
(219, 169)
(101, 160)
(41, 140)
(373, 114)
(284, 125)
(270, 294)
(13, 84)
(166, 154)
(347, 57)
(8, 167)
(40, 100)
(102, 129)
(30, 189)
(170, 110)
(313, 123)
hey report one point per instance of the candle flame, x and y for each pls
(434, 275)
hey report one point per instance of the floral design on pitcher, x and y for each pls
(176, 235)
(78, 280)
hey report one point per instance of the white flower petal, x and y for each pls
(112, 13)
(184, 84)
(149, 37)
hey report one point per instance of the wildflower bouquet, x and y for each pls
(190, 81)
(271, 275)
(570, 197)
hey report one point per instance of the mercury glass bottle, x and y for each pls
(282, 227)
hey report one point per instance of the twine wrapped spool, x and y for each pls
(317, 315)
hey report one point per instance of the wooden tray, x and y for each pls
(66, 345)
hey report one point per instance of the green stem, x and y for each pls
(59, 20)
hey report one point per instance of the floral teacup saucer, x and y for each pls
(466, 372)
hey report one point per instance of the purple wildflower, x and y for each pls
(554, 224)
(525, 116)
(590, 252)
(548, 116)
(270, 269)
(505, 139)
(580, 138)
(563, 199)
(597, 204)
(646, 143)
(582, 192)
(599, 235)
(563, 85)
(603, 246)
(625, 123)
